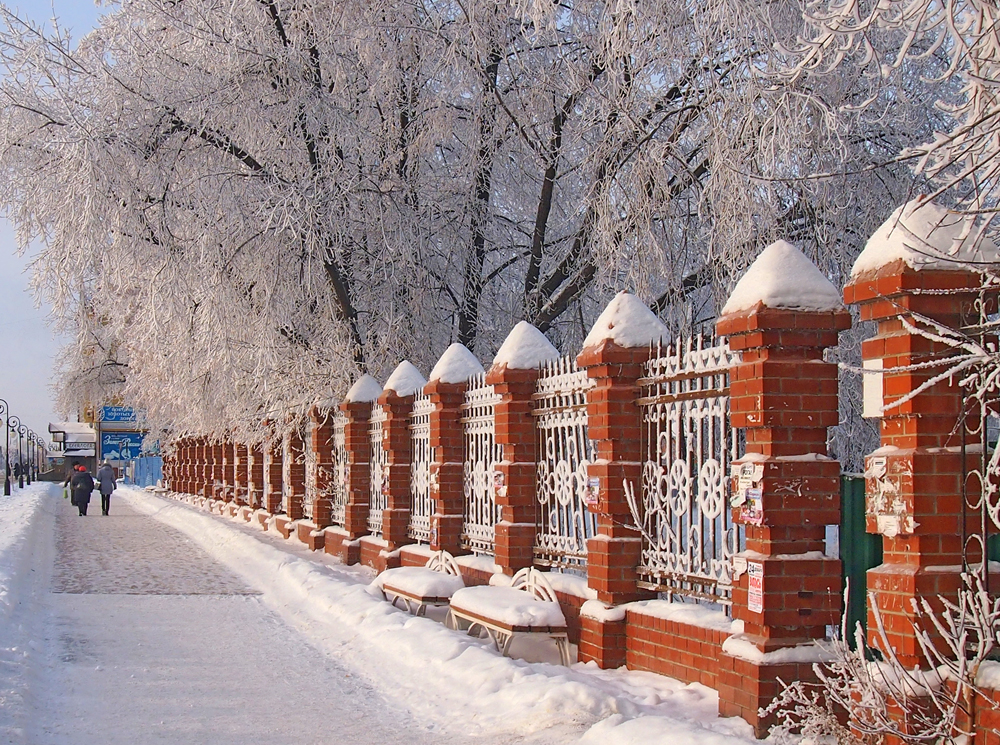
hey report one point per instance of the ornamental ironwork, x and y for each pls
(481, 456)
(564, 450)
(312, 474)
(337, 485)
(688, 537)
(422, 455)
(377, 499)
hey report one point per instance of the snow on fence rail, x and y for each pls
(482, 453)
(564, 451)
(684, 517)
(422, 455)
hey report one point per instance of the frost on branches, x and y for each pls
(253, 202)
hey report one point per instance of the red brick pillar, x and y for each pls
(397, 445)
(293, 477)
(447, 490)
(515, 494)
(321, 445)
(272, 472)
(358, 486)
(255, 475)
(614, 423)
(913, 488)
(202, 473)
(785, 396)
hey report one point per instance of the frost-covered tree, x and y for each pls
(263, 197)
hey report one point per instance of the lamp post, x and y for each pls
(22, 432)
(5, 411)
(32, 439)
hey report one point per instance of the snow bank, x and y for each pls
(365, 390)
(628, 323)
(405, 380)
(782, 277)
(925, 236)
(525, 348)
(437, 672)
(693, 614)
(456, 365)
(16, 515)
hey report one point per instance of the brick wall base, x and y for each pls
(372, 549)
(304, 530)
(602, 642)
(745, 687)
(283, 525)
(679, 650)
(413, 556)
(337, 542)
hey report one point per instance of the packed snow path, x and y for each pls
(161, 623)
(149, 639)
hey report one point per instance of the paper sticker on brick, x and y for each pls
(499, 484)
(593, 492)
(752, 510)
(755, 587)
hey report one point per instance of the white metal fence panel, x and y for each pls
(684, 516)
(338, 482)
(422, 455)
(309, 499)
(564, 451)
(481, 456)
(377, 500)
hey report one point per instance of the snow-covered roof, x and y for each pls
(926, 236)
(365, 390)
(405, 380)
(72, 428)
(456, 365)
(783, 277)
(628, 323)
(525, 348)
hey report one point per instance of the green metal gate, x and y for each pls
(859, 551)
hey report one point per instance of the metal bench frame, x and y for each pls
(533, 582)
(440, 561)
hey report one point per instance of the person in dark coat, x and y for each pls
(106, 480)
(81, 484)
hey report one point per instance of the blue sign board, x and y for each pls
(121, 445)
(117, 414)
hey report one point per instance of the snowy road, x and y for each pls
(163, 624)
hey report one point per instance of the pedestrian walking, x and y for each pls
(107, 484)
(81, 484)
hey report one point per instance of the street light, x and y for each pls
(32, 439)
(5, 411)
(22, 431)
(14, 425)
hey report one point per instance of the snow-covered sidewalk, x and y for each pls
(199, 628)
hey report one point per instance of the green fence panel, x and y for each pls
(859, 551)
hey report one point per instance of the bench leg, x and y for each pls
(563, 644)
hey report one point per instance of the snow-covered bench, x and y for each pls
(418, 587)
(528, 607)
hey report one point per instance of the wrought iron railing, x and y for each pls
(682, 510)
(481, 456)
(563, 452)
(377, 500)
(337, 485)
(422, 455)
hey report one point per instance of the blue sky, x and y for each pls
(27, 346)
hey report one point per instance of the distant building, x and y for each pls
(73, 442)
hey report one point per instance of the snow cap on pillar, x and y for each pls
(525, 348)
(456, 365)
(405, 380)
(925, 235)
(628, 323)
(365, 390)
(783, 278)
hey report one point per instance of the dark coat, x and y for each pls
(106, 479)
(81, 484)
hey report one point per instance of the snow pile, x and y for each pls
(737, 646)
(570, 584)
(16, 515)
(782, 277)
(456, 365)
(525, 348)
(925, 236)
(508, 606)
(365, 390)
(420, 581)
(628, 323)
(693, 614)
(602, 612)
(438, 672)
(405, 380)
